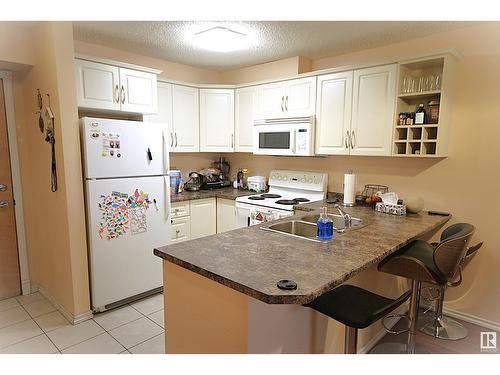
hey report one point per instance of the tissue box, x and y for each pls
(393, 209)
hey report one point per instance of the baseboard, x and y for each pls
(471, 319)
(73, 319)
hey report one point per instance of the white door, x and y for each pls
(374, 97)
(226, 215)
(300, 97)
(124, 226)
(272, 100)
(246, 108)
(97, 85)
(216, 120)
(164, 114)
(333, 113)
(203, 217)
(115, 148)
(138, 91)
(185, 118)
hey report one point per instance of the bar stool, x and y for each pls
(355, 308)
(438, 325)
(422, 262)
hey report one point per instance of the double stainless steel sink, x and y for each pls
(306, 228)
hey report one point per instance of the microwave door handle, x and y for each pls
(294, 141)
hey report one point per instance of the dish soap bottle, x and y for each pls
(325, 226)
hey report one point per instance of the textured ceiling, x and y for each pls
(276, 40)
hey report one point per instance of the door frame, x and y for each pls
(6, 77)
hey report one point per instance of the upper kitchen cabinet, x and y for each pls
(103, 86)
(333, 113)
(246, 108)
(216, 120)
(293, 98)
(186, 118)
(164, 113)
(427, 82)
(374, 94)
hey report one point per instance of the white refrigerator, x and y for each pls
(127, 196)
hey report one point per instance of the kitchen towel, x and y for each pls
(259, 216)
(349, 189)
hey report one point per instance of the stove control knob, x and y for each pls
(285, 178)
(316, 180)
(303, 179)
(280, 177)
(309, 180)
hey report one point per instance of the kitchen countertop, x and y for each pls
(226, 193)
(251, 260)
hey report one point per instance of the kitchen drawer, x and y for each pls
(180, 229)
(180, 209)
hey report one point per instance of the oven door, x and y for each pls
(245, 214)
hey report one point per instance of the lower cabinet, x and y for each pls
(201, 217)
(226, 215)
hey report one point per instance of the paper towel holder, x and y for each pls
(351, 201)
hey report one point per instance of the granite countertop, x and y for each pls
(251, 260)
(226, 193)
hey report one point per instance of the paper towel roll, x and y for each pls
(349, 189)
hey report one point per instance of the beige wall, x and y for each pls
(16, 50)
(465, 183)
(55, 222)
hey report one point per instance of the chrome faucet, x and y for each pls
(345, 216)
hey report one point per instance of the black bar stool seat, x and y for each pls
(355, 308)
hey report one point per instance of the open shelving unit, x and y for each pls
(428, 139)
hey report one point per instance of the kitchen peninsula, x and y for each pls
(221, 294)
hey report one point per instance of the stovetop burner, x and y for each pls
(267, 195)
(301, 200)
(287, 202)
(256, 198)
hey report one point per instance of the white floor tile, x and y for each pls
(102, 344)
(135, 332)
(74, 334)
(30, 298)
(149, 305)
(36, 345)
(51, 321)
(157, 317)
(40, 307)
(13, 316)
(117, 317)
(155, 345)
(18, 332)
(8, 304)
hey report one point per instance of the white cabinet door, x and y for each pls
(216, 120)
(97, 85)
(138, 91)
(186, 119)
(180, 229)
(300, 97)
(374, 97)
(272, 100)
(246, 108)
(164, 114)
(333, 113)
(203, 217)
(226, 215)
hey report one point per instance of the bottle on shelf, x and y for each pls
(420, 115)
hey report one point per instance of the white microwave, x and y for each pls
(284, 136)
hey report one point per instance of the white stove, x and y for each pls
(287, 189)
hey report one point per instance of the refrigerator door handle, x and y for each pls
(167, 198)
(165, 153)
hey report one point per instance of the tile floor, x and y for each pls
(31, 325)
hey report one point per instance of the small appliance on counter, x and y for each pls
(217, 176)
(257, 183)
(194, 183)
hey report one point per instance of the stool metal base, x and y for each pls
(394, 348)
(442, 328)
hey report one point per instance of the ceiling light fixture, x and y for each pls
(221, 39)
